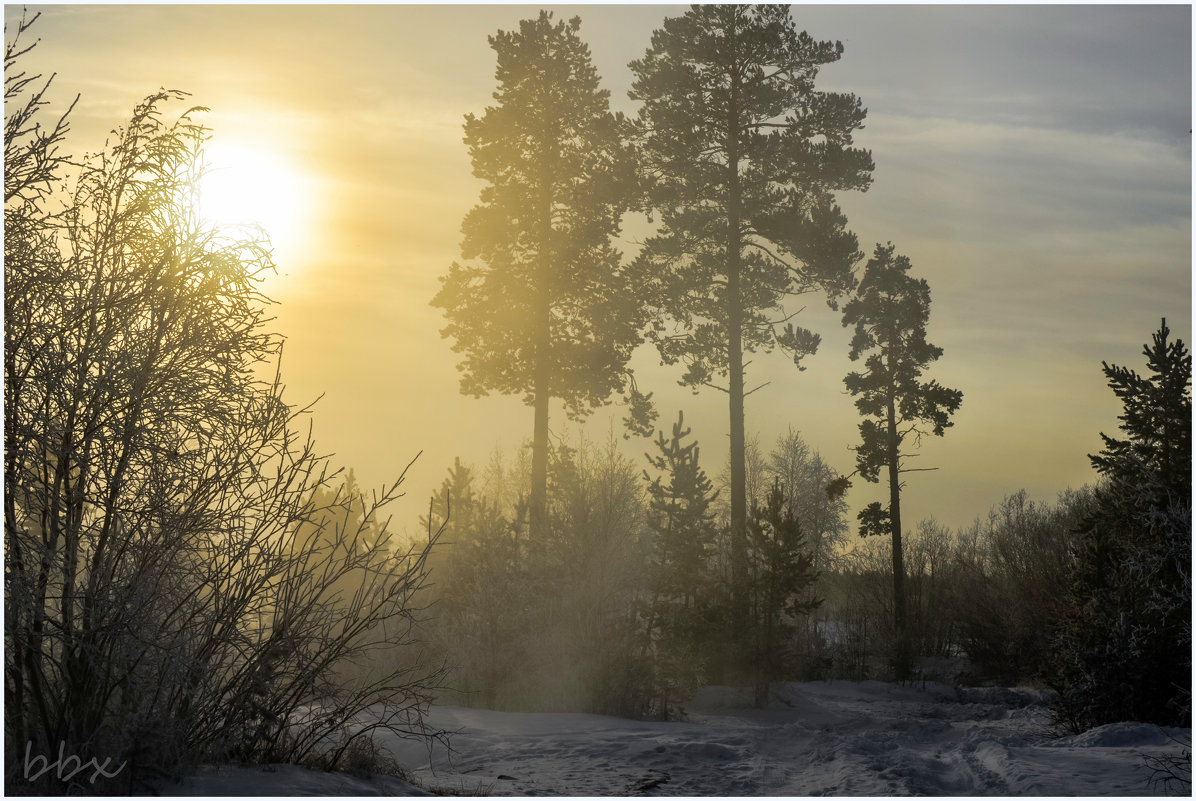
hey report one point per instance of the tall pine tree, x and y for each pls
(741, 156)
(889, 312)
(544, 307)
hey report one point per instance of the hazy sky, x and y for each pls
(1033, 162)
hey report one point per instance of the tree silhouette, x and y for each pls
(680, 578)
(546, 309)
(889, 313)
(1156, 417)
(1126, 652)
(680, 515)
(780, 574)
(741, 156)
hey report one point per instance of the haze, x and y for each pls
(1033, 162)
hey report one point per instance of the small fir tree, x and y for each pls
(780, 576)
(677, 618)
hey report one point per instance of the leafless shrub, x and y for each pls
(1171, 774)
(181, 580)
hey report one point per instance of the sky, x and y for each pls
(1031, 161)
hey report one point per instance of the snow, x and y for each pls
(282, 780)
(816, 738)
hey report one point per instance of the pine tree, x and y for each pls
(680, 515)
(681, 519)
(780, 575)
(889, 312)
(1126, 654)
(742, 157)
(544, 309)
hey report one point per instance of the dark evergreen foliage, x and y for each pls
(681, 610)
(544, 308)
(780, 575)
(476, 575)
(889, 312)
(1126, 654)
(680, 516)
(741, 157)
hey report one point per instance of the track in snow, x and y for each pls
(817, 738)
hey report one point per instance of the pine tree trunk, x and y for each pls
(738, 467)
(735, 377)
(903, 652)
(539, 491)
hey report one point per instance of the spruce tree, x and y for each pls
(889, 312)
(677, 618)
(477, 583)
(1125, 654)
(680, 515)
(780, 574)
(741, 157)
(542, 306)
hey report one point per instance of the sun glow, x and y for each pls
(256, 186)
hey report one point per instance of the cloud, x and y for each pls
(1084, 68)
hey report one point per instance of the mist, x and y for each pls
(592, 374)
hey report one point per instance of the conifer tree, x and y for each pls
(741, 156)
(1156, 418)
(680, 515)
(680, 579)
(477, 577)
(889, 312)
(1125, 654)
(780, 573)
(542, 306)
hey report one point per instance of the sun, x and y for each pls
(245, 185)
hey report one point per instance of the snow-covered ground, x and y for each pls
(817, 738)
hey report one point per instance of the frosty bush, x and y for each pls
(176, 588)
(541, 622)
